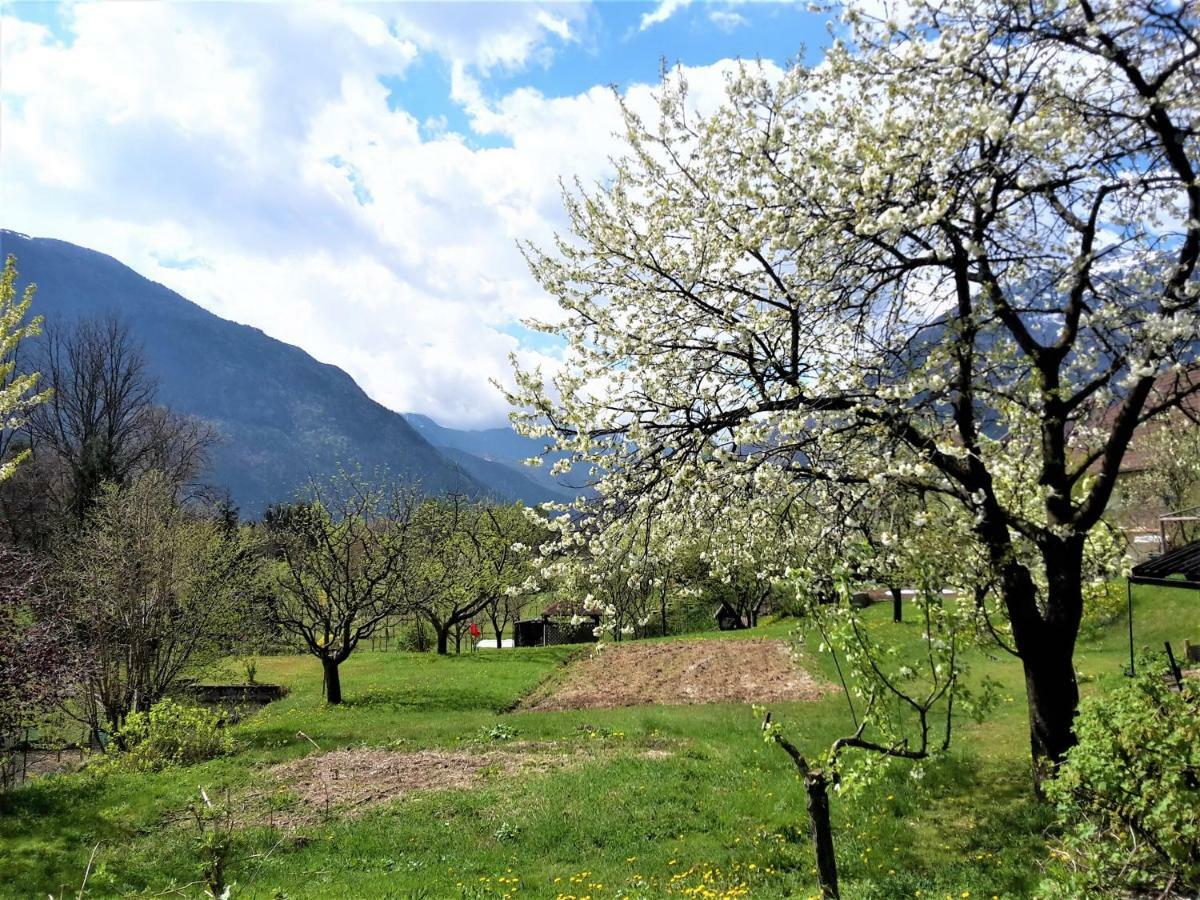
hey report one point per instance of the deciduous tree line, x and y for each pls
(121, 575)
(357, 555)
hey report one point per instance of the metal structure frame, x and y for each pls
(1191, 514)
(1164, 571)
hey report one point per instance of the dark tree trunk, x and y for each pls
(458, 640)
(443, 640)
(1045, 641)
(499, 639)
(333, 680)
(1053, 696)
(897, 608)
(816, 785)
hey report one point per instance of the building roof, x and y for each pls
(1138, 457)
(561, 609)
(1185, 561)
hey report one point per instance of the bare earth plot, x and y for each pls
(347, 782)
(758, 670)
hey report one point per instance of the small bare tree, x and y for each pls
(150, 588)
(102, 421)
(348, 563)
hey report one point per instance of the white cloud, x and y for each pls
(726, 19)
(662, 12)
(246, 156)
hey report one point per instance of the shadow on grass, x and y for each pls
(972, 824)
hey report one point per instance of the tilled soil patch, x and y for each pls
(755, 670)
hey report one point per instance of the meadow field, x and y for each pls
(439, 783)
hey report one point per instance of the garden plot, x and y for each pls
(346, 782)
(757, 670)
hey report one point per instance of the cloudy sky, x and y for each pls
(349, 178)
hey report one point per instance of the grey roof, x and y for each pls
(1159, 570)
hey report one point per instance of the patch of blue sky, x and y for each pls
(423, 91)
(56, 17)
(614, 50)
(537, 341)
(172, 261)
(361, 194)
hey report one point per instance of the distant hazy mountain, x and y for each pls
(500, 446)
(283, 416)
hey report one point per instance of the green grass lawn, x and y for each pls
(718, 814)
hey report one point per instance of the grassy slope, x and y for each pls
(724, 812)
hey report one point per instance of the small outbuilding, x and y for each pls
(727, 618)
(563, 622)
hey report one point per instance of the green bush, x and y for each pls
(1103, 604)
(1128, 797)
(415, 637)
(170, 734)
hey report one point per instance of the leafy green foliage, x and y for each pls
(1129, 793)
(498, 733)
(688, 790)
(1103, 604)
(415, 637)
(214, 844)
(152, 589)
(170, 734)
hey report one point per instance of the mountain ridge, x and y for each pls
(283, 415)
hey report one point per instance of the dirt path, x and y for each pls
(757, 670)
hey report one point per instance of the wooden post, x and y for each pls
(1178, 675)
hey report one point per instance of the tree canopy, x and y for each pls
(957, 257)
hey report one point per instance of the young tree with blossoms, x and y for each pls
(958, 257)
(17, 388)
(617, 572)
(741, 556)
(904, 692)
(1170, 471)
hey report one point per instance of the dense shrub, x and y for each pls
(169, 734)
(1103, 604)
(415, 637)
(1128, 796)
